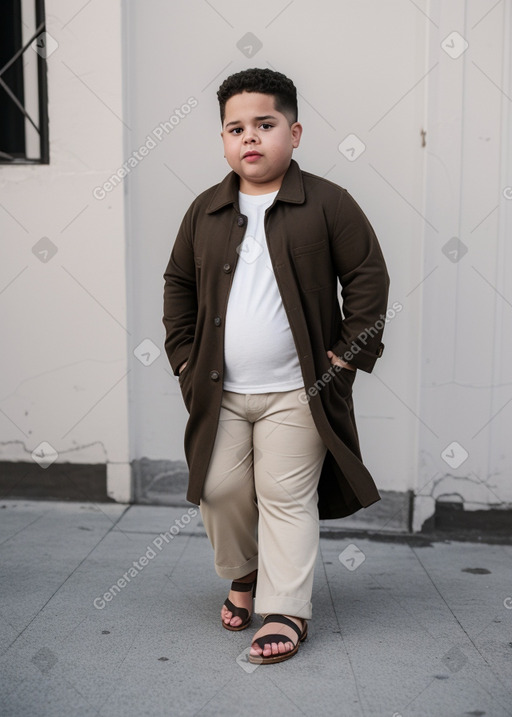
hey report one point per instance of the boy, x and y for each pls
(266, 361)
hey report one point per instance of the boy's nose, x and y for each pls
(250, 136)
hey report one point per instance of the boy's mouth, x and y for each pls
(251, 156)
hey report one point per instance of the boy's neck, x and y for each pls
(256, 189)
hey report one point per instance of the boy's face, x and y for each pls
(258, 141)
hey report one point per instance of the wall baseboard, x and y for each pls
(60, 481)
(164, 482)
(451, 517)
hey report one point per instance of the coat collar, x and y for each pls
(292, 189)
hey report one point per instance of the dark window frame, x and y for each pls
(20, 114)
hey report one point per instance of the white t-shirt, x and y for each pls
(259, 351)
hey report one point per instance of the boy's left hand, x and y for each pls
(336, 360)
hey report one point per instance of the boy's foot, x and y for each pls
(239, 599)
(287, 644)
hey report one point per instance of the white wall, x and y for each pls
(384, 72)
(467, 304)
(64, 320)
(373, 69)
(347, 85)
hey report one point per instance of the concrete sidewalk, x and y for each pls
(101, 615)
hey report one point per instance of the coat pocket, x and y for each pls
(314, 267)
(344, 381)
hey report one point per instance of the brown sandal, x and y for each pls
(241, 612)
(278, 637)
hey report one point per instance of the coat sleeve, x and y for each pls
(364, 282)
(180, 295)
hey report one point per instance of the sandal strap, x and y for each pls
(284, 621)
(242, 587)
(237, 611)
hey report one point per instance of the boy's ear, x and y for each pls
(296, 133)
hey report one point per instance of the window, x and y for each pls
(23, 85)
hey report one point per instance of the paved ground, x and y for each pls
(401, 625)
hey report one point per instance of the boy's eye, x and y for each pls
(239, 130)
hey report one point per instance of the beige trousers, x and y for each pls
(259, 503)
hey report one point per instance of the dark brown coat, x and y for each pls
(316, 233)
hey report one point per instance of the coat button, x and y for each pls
(226, 268)
(214, 375)
(217, 321)
(240, 221)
